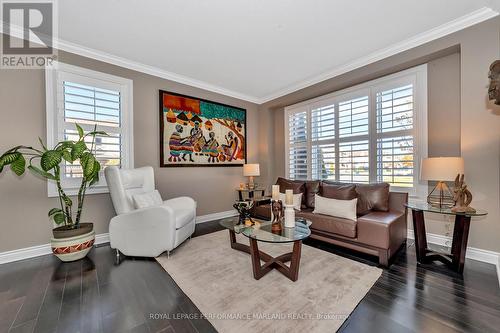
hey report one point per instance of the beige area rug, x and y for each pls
(220, 282)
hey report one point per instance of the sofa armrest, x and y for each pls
(143, 232)
(397, 201)
(181, 202)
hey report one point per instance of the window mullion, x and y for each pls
(309, 141)
(372, 137)
(337, 143)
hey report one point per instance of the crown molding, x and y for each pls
(458, 24)
(154, 71)
(87, 52)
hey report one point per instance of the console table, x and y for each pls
(250, 192)
(456, 259)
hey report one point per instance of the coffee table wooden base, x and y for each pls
(278, 263)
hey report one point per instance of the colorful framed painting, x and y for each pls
(197, 132)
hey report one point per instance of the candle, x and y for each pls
(289, 197)
(276, 192)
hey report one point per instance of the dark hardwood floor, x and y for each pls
(95, 295)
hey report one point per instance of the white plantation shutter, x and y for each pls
(353, 117)
(89, 106)
(373, 132)
(354, 162)
(89, 98)
(297, 154)
(395, 146)
(323, 144)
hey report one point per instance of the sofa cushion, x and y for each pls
(372, 197)
(339, 191)
(312, 188)
(335, 225)
(297, 186)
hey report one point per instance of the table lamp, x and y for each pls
(251, 170)
(441, 169)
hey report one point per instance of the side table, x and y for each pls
(250, 192)
(456, 259)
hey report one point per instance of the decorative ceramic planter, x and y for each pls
(73, 248)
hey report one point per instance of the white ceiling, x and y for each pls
(257, 49)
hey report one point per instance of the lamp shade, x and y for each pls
(441, 168)
(251, 170)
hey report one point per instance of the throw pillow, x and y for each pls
(148, 199)
(337, 208)
(372, 197)
(297, 199)
(296, 186)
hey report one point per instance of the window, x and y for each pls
(89, 98)
(372, 132)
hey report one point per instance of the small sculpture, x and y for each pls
(461, 196)
(278, 213)
(244, 208)
(494, 88)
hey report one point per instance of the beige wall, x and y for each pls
(461, 120)
(24, 203)
(464, 113)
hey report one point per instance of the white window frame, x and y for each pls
(416, 76)
(54, 77)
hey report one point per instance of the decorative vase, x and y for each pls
(73, 244)
(289, 216)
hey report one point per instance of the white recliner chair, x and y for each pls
(146, 232)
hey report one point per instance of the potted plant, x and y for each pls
(72, 239)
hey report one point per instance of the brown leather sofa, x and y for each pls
(381, 225)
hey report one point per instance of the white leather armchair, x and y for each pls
(146, 232)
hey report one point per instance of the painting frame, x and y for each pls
(162, 133)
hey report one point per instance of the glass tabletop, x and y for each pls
(263, 232)
(251, 189)
(423, 206)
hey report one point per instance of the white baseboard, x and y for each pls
(473, 253)
(40, 250)
(215, 216)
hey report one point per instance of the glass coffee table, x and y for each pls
(263, 233)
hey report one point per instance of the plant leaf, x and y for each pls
(54, 211)
(95, 179)
(64, 145)
(8, 158)
(78, 149)
(95, 176)
(88, 166)
(19, 165)
(59, 218)
(66, 155)
(94, 133)
(50, 159)
(41, 173)
(80, 130)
